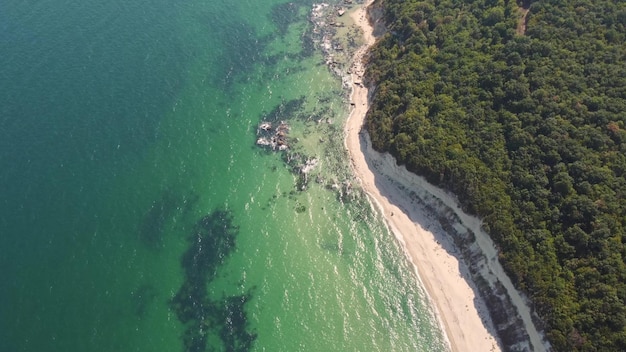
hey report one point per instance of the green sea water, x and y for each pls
(136, 211)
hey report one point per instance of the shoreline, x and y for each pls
(462, 315)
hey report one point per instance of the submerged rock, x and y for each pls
(210, 244)
(309, 165)
(274, 138)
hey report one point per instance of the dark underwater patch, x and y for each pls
(283, 15)
(211, 243)
(161, 212)
(155, 219)
(142, 299)
(286, 110)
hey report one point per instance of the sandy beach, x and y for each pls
(462, 315)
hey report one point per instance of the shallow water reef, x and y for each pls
(223, 320)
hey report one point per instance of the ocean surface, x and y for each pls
(137, 212)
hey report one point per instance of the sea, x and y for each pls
(138, 213)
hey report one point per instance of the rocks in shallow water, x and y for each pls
(265, 126)
(308, 165)
(274, 138)
(300, 165)
(263, 141)
(344, 189)
(300, 208)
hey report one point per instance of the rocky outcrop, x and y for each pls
(272, 137)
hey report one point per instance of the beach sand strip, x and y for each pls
(462, 315)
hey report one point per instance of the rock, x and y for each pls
(265, 126)
(308, 165)
(276, 138)
(263, 141)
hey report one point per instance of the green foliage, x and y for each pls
(528, 130)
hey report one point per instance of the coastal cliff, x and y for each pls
(526, 128)
(512, 320)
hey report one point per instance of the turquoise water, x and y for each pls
(136, 211)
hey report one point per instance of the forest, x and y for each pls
(519, 108)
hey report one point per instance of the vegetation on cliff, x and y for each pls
(524, 119)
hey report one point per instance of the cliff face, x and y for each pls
(509, 310)
(511, 316)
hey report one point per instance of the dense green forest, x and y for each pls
(526, 124)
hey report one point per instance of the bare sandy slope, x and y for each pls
(462, 315)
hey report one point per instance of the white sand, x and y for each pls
(461, 313)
